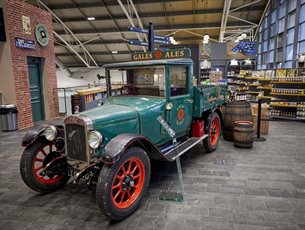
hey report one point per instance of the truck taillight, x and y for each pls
(197, 128)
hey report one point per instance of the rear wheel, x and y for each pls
(213, 130)
(121, 187)
(33, 160)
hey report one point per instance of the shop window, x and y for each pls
(290, 36)
(292, 5)
(302, 31)
(281, 25)
(301, 47)
(289, 51)
(178, 80)
(282, 10)
(291, 20)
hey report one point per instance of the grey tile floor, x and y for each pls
(260, 188)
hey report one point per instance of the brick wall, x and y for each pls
(15, 9)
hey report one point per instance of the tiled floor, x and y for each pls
(260, 188)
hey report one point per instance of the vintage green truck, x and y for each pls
(157, 114)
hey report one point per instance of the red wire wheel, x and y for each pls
(34, 158)
(128, 183)
(122, 186)
(39, 163)
(213, 129)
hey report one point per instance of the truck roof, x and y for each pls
(179, 61)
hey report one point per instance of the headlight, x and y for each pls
(50, 132)
(95, 139)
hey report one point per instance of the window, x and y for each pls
(259, 48)
(265, 56)
(302, 31)
(265, 46)
(272, 30)
(288, 64)
(281, 25)
(260, 38)
(279, 55)
(273, 16)
(178, 80)
(290, 36)
(282, 10)
(280, 40)
(301, 47)
(291, 20)
(258, 66)
(271, 56)
(289, 51)
(271, 44)
(302, 13)
(292, 5)
(259, 59)
(266, 34)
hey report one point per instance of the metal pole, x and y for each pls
(65, 102)
(258, 134)
(151, 37)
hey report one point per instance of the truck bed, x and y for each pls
(207, 97)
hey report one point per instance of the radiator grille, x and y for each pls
(76, 142)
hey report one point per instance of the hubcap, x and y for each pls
(128, 183)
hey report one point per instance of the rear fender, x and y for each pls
(31, 136)
(115, 149)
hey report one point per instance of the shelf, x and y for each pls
(234, 83)
(240, 83)
(241, 77)
(288, 94)
(287, 82)
(264, 97)
(288, 106)
(264, 79)
(253, 85)
(233, 76)
(251, 78)
(252, 92)
(264, 87)
(288, 118)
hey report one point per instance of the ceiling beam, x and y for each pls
(165, 28)
(158, 14)
(224, 19)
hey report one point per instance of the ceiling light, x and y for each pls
(114, 52)
(234, 62)
(236, 40)
(205, 41)
(243, 35)
(240, 38)
(91, 18)
(248, 62)
(206, 37)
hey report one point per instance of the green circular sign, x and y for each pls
(42, 35)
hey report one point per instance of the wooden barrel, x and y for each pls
(243, 134)
(235, 111)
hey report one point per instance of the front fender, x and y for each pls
(31, 136)
(117, 146)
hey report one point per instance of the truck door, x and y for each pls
(180, 116)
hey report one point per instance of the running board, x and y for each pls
(183, 147)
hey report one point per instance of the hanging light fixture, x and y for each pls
(248, 62)
(234, 62)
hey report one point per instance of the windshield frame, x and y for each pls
(109, 84)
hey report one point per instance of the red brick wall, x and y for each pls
(15, 9)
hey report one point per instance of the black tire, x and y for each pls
(28, 168)
(105, 191)
(209, 143)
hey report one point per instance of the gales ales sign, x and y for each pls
(169, 54)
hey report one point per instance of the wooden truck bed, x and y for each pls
(207, 97)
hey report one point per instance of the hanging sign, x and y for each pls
(26, 25)
(168, 54)
(25, 44)
(42, 35)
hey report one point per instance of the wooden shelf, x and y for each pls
(264, 87)
(287, 82)
(252, 92)
(265, 79)
(251, 78)
(265, 97)
(288, 94)
(288, 106)
(253, 85)
(240, 83)
(288, 118)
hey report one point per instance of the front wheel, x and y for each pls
(213, 130)
(33, 160)
(121, 187)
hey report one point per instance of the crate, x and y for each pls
(264, 124)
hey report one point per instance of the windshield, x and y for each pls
(138, 81)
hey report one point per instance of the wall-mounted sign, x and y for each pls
(26, 25)
(42, 35)
(25, 44)
(177, 53)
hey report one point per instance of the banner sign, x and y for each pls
(168, 54)
(137, 43)
(25, 44)
(246, 47)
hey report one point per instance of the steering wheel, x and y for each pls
(128, 90)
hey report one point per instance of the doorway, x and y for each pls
(34, 66)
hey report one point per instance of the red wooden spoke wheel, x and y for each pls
(214, 130)
(122, 186)
(39, 163)
(128, 183)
